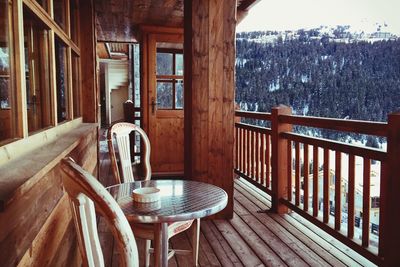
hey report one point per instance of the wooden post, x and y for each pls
(209, 54)
(390, 192)
(279, 159)
(88, 62)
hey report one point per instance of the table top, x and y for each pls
(180, 200)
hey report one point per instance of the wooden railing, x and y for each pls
(284, 164)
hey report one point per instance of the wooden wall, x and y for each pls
(209, 93)
(36, 228)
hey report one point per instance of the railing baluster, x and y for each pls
(248, 152)
(268, 161)
(351, 189)
(297, 173)
(257, 176)
(305, 171)
(338, 190)
(289, 170)
(315, 181)
(262, 159)
(382, 199)
(326, 186)
(366, 201)
(242, 135)
(252, 154)
(237, 148)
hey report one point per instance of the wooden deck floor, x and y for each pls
(252, 238)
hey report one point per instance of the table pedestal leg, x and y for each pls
(161, 244)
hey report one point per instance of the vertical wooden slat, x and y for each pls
(289, 170)
(306, 171)
(248, 152)
(338, 190)
(242, 158)
(366, 201)
(257, 176)
(237, 148)
(326, 186)
(262, 175)
(315, 181)
(267, 161)
(382, 199)
(251, 173)
(297, 173)
(351, 189)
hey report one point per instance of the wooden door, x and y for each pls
(165, 103)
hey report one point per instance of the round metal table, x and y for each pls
(180, 201)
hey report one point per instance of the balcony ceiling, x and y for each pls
(118, 20)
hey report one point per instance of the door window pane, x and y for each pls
(164, 64)
(179, 94)
(61, 80)
(76, 85)
(59, 13)
(7, 97)
(164, 95)
(74, 21)
(179, 64)
(37, 73)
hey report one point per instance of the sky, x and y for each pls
(297, 14)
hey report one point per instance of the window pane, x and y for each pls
(178, 64)
(76, 85)
(179, 94)
(74, 14)
(61, 80)
(59, 13)
(43, 3)
(7, 106)
(164, 64)
(37, 72)
(164, 95)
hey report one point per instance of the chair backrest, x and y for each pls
(120, 133)
(87, 195)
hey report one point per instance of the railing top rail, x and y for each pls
(253, 115)
(371, 153)
(253, 128)
(355, 126)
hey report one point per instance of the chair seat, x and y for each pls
(146, 230)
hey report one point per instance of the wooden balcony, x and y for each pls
(338, 200)
(254, 237)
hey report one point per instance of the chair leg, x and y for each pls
(147, 251)
(195, 240)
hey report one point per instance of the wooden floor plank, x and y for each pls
(205, 249)
(263, 251)
(287, 254)
(299, 237)
(245, 254)
(180, 241)
(223, 251)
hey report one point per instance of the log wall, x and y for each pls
(36, 227)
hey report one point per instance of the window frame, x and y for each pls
(17, 72)
(173, 78)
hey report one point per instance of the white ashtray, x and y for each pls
(146, 194)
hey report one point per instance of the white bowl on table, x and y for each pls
(146, 194)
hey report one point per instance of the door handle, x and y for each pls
(153, 105)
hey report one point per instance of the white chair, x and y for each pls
(87, 195)
(118, 136)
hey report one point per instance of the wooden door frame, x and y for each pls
(149, 35)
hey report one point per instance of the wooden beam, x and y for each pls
(88, 62)
(209, 51)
